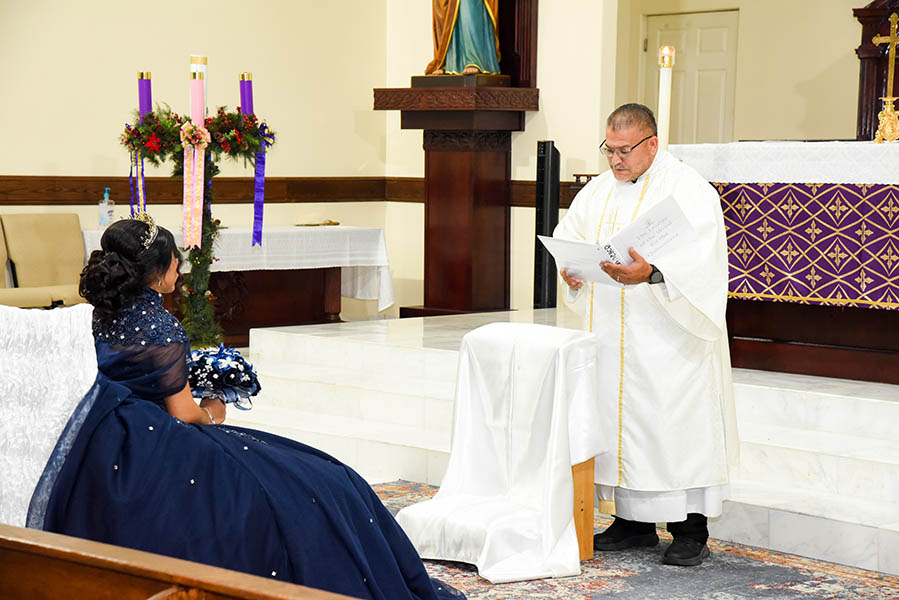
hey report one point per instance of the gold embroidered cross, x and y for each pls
(837, 255)
(890, 257)
(863, 280)
(813, 278)
(813, 230)
(767, 274)
(764, 229)
(863, 232)
(744, 251)
(742, 205)
(838, 207)
(789, 254)
(890, 209)
(791, 207)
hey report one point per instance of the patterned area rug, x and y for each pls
(733, 571)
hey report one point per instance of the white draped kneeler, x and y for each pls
(525, 412)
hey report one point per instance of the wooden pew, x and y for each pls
(37, 564)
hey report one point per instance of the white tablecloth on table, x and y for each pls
(361, 252)
(525, 412)
(793, 162)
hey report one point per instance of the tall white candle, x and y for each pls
(663, 114)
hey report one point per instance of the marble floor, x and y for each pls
(819, 471)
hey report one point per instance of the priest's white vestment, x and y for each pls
(664, 383)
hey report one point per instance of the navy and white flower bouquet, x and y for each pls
(223, 373)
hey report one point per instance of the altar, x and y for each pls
(297, 276)
(813, 249)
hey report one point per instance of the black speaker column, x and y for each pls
(547, 219)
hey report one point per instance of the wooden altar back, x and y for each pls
(872, 72)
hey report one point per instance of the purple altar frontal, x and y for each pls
(831, 244)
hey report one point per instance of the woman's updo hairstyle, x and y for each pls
(115, 275)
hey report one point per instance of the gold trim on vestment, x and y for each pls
(621, 351)
(602, 219)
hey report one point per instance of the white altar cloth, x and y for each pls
(361, 252)
(525, 412)
(793, 162)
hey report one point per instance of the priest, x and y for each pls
(664, 377)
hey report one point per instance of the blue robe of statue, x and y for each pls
(126, 472)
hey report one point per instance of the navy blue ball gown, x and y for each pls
(126, 472)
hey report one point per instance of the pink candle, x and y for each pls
(197, 99)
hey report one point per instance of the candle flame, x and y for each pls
(666, 56)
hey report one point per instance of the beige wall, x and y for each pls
(797, 73)
(316, 63)
(69, 74)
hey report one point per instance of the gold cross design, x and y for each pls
(890, 209)
(837, 254)
(890, 257)
(863, 280)
(764, 229)
(791, 207)
(838, 208)
(813, 230)
(863, 232)
(789, 254)
(813, 278)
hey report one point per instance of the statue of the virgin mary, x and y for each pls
(466, 39)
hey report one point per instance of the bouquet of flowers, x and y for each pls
(223, 373)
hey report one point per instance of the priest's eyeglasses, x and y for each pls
(621, 152)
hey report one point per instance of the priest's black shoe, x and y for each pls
(685, 552)
(622, 534)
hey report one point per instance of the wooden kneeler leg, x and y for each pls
(582, 474)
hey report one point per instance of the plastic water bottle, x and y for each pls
(107, 210)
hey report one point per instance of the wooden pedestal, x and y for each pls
(467, 120)
(582, 474)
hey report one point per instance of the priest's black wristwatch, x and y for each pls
(655, 276)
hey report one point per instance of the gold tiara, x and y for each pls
(144, 217)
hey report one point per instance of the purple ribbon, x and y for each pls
(259, 183)
(258, 197)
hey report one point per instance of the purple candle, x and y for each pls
(144, 93)
(246, 93)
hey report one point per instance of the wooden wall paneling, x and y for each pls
(518, 41)
(86, 191)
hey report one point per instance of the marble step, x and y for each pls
(849, 531)
(378, 451)
(821, 462)
(817, 403)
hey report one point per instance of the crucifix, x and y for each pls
(888, 128)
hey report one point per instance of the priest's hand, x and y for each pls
(573, 282)
(636, 272)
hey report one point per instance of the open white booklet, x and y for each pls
(661, 229)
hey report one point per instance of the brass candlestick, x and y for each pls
(888, 125)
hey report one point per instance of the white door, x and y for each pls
(702, 87)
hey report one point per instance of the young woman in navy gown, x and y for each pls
(141, 465)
